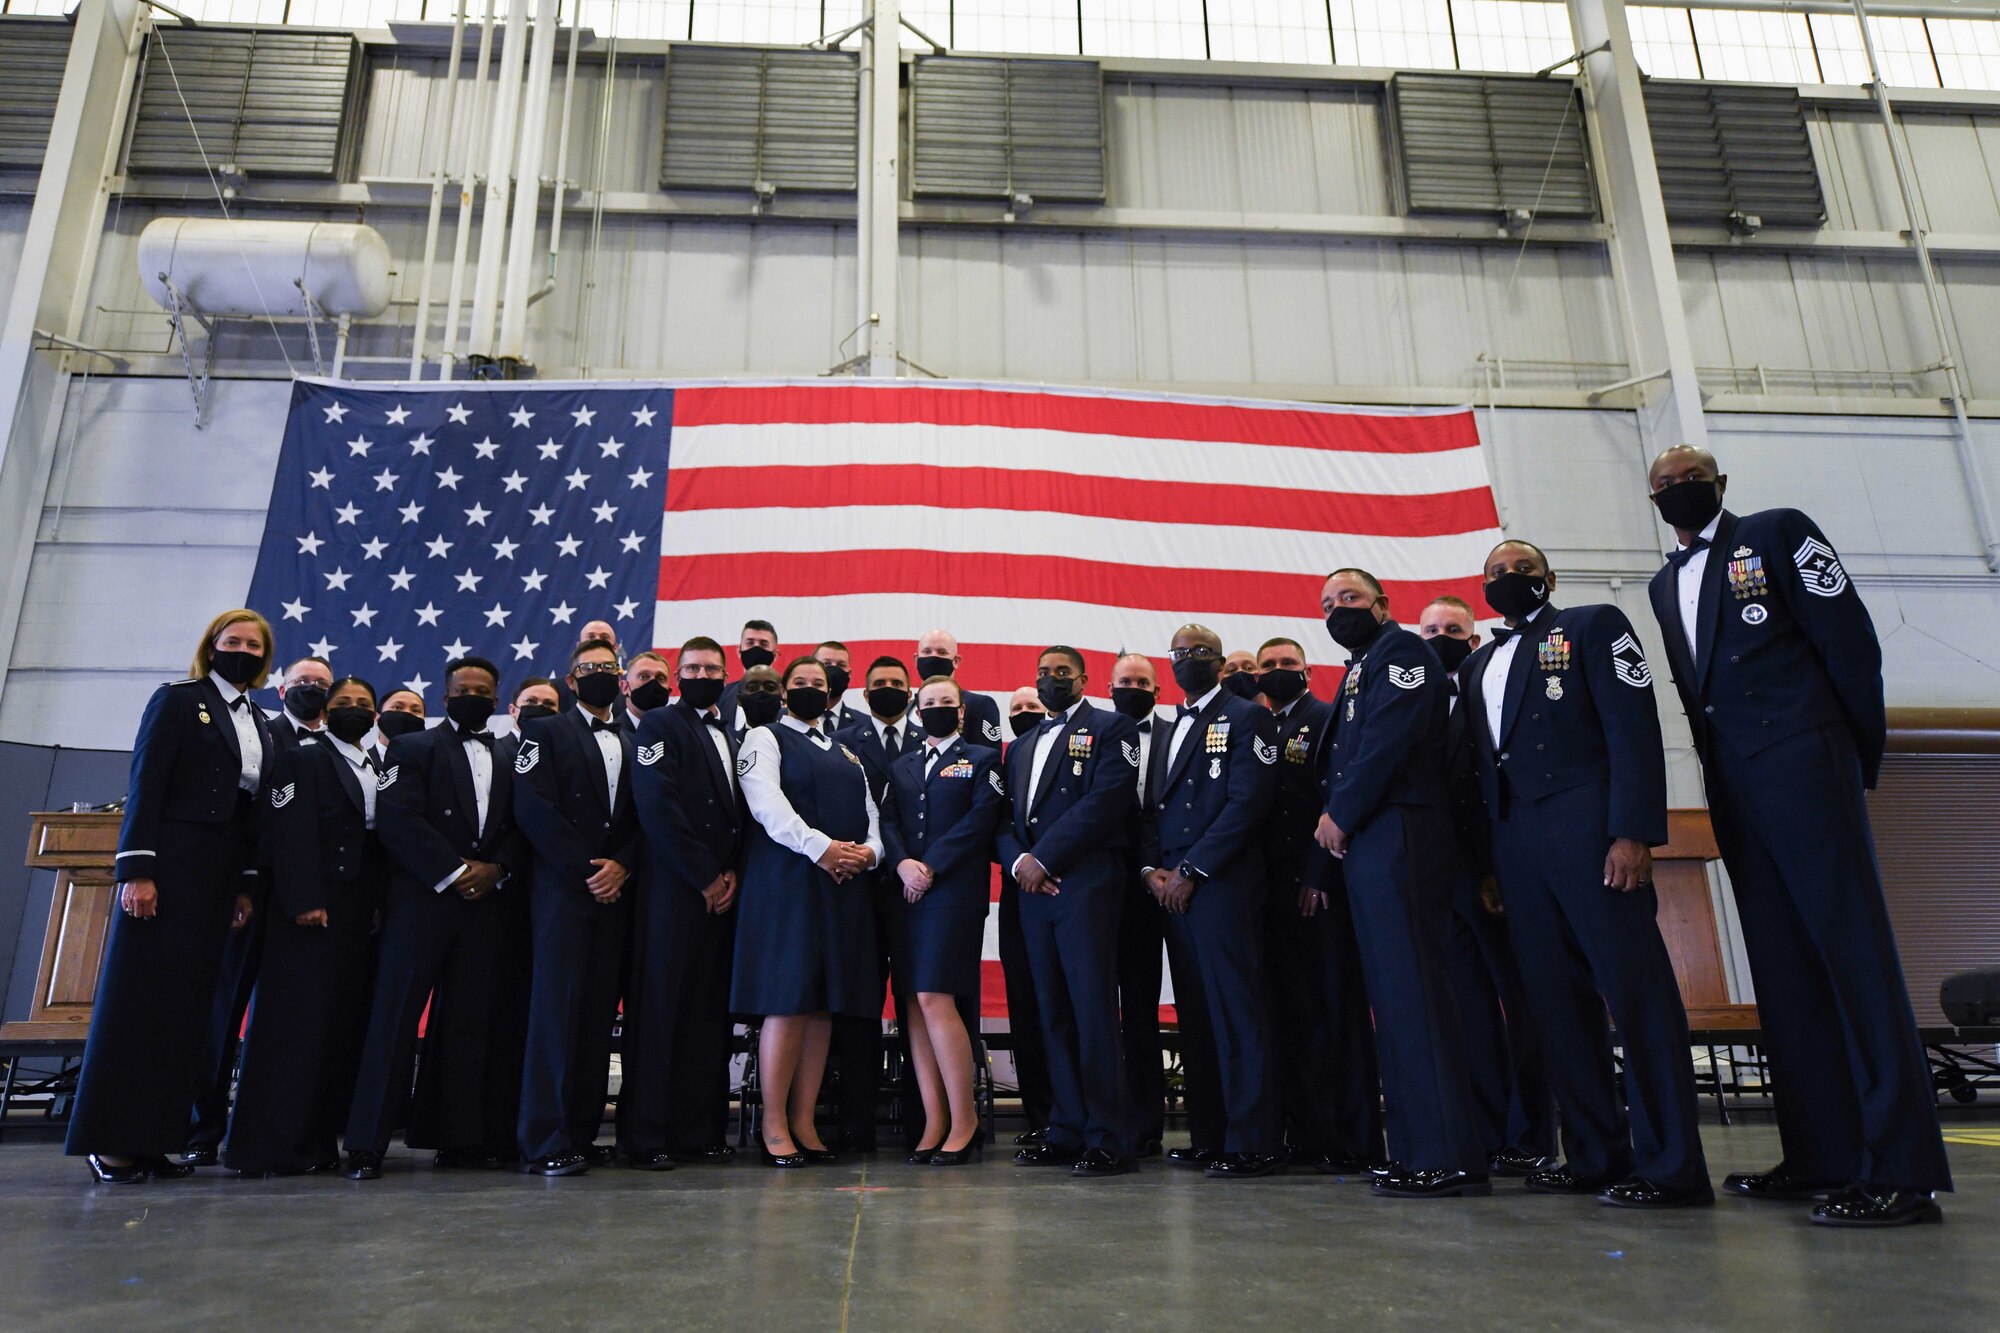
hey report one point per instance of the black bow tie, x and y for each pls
(240, 701)
(1451, 683)
(484, 738)
(712, 720)
(595, 725)
(1055, 720)
(1501, 634)
(1146, 727)
(1680, 558)
(1186, 710)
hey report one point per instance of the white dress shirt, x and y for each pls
(303, 728)
(614, 756)
(937, 747)
(1184, 723)
(769, 805)
(364, 773)
(480, 759)
(1148, 724)
(721, 743)
(247, 739)
(1689, 585)
(1045, 741)
(1493, 684)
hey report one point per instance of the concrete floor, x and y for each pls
(877, 1244)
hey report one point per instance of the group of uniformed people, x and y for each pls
(1403, 924)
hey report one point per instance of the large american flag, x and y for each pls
(412, 523)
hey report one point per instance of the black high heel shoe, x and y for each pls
(820, 1155)
(132, 1173)
(922, 1156)
(943, 1156)
(789, 1159)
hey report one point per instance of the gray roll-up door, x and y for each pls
(737, 115)
(32, 55)
(1727, 148)
(983, 128)
(1471, 143)
(273, 101)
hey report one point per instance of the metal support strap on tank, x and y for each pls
(179, 313)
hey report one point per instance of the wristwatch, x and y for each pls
(1189, 873)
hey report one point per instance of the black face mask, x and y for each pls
(940, 720)
(1517, 596)
(1055, 693)
(598, 689)
(760, 710)
(653, 694)
(392, 725)
(699, 692)
(529, 712)
(929, 668)
(1243, 684)
(1352, 626)
(1023, 723)
(1689, 505)
(837, 680)
(1134, 702)
(349, 724)
(806, 702)
(1452, 652)
(756, 657)
(305, 702)
(1196, 678)
(888, 701)
(239, 669)
(1280, 685)
(468, 712)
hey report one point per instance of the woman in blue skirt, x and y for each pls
(945, 798)
(805, 934)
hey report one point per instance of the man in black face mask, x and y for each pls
(534, 697)
(937, 655)
(674, 1105)
(1208, 792)
(1780, 674)
(303, 694)
(760, 700)
(452, 934)
(756, 646)
(1328, 1089)
(833, 655)
(1239, 674)
(1142, 924)
(573, 801)
(644, 686)
(1567, 740)
(1385, 814)
(1510, 1084)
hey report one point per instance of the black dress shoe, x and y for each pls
(1244, 1166)
(721, 1156)
(1562, 1180)
(1194, 1159)
(1402, 1183)
(1034, 1138)
(568, 1164)
(652, 1161)
(1516, 1162)
(1779, 1186)
(464, 1159)
(134, 1173)
(821, 1156)
(200, 1157)
(364, 1165)
(1049, 1154)
(1337, 1164)
(600, 1154)
(1382, 1170)
(1869, 1206)
(921, 1157)
(1151, 1148)
(955, 1156)
(783, 1160)
(162, 1169)
(1098, 1162)
(1644, 1194)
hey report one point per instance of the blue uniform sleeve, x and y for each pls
(1099, 815)
(291, 806)
(970, 840)
(1253, 773)
(160, 734)
(1397, 714)
(1818, 592)
(1621, 687)
(662, 805)
(537, 790)
(402, 796)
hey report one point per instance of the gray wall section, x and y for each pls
(13, 229)
(33, 778)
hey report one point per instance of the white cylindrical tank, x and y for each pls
(250, 268)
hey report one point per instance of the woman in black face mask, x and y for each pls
(191, 822)
(402, 713)
(805, 933)
(945, 799)
(310, 1012)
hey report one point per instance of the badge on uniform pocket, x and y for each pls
(1215, 768)
(1747, 577)
(1756, 613)
(1076, 769)
(1554, 688)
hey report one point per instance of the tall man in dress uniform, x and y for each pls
(937, 655)
(1142, 922)
(1386, 817)
(1208, 793)
(1070, 785)
(839, 664)
(1024, 1016)
(1780, 674)
(301, 719)
(645, 688)
(445, 815)
(756, 646)
(1567, 741)
(675, 1101)
(1511, 1097)
(1329, 1093)
(573, 802)
(760, 701)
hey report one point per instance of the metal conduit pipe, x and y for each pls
(461, 240)
(499, 168)
(528, 188)
(562, 161)
(436, 217)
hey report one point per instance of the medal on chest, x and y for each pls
(1079, 750)
(1552, 655)
(1217, 739)
(1298, 748)
(1746, 574)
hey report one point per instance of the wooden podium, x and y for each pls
(1687, 923)
(81, 849)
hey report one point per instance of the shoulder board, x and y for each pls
(191, 680)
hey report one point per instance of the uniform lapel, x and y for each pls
(1711, 593)
(625, 755)
(1057, 749)
(218, 708)
(1178, 764)
(1665, 593)
(461, 774)
(1522, 667)
(350, 781)
(593, 758)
